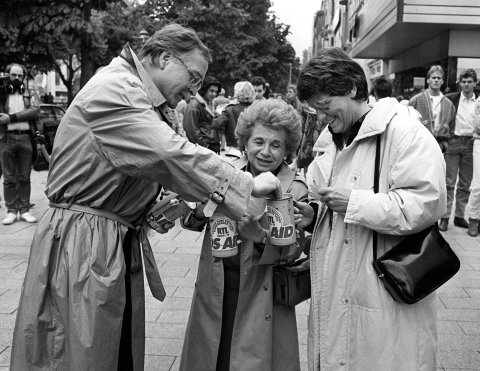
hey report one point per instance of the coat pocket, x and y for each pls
(45, 347)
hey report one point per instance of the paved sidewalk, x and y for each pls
(177, 257)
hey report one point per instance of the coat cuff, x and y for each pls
(352, 215)
(232, 194)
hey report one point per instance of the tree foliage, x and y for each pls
(245, 38)
(47, 33)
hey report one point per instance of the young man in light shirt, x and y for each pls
(459, 156)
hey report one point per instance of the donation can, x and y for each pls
(281, 220)
(224, 236)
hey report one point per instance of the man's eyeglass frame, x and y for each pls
(195, 80)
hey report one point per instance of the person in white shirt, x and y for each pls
(473, 206)
(16, 145)
(459, 155)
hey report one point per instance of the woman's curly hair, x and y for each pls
(274, 113)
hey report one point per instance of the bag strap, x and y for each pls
(376, 178)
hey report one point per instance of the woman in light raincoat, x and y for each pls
(354, 324)
(234, 323)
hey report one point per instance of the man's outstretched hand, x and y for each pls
(266, 184)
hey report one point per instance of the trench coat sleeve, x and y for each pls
(415, 177)
(148, 148)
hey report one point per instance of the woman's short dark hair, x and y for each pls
(332, 72)
(382, 87)
(174, 39)
(274, 113)
(207, 82)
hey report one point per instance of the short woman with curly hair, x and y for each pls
(234, 323)
(275, 114)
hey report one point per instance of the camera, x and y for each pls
(168, 210)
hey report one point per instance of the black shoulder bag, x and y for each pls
(291, 283)
(418, 265)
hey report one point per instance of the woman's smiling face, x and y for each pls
(266, 148)
(338, 112)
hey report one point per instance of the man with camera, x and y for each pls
(19, 113)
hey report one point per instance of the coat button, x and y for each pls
(345, 300)
(347, 241)
(265, 286)
(342, 362)
(268, 317)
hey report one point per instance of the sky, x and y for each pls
(299, 15)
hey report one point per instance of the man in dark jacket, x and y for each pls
(16, 145)
(244, 94)
(459, 154)
(199, 114)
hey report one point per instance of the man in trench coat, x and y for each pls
(82, 303)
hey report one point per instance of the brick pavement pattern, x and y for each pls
(177, 257)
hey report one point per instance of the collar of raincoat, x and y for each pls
(374, 123)
(154, 94)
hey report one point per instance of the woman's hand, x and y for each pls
(198, 212)
(249, 228)
(303, 214)
(266, 183)
(336, 199)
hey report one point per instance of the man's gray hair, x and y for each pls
(174, 39)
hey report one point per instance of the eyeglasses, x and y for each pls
(195, 80)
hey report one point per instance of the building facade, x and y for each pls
(403, 38)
